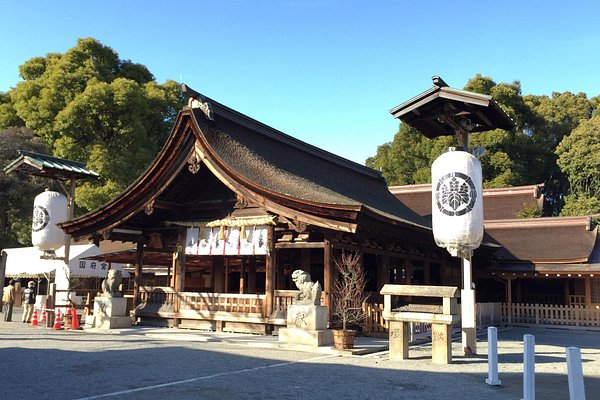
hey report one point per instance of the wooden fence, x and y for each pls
(573, 316)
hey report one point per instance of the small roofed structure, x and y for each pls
(442, 111)
(36, 164)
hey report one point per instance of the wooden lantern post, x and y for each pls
(444, 111)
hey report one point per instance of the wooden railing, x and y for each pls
(576, 300)
(221, 303)
(551, 315)
(284, 299)
(233, 307)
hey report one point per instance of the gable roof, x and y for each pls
(498, 203)
(434, 111)
(30, 163)
(552, 240)
(266, 167)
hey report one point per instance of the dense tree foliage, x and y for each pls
(16, 193)
(90, 106)
(546, 128)
(579, 159)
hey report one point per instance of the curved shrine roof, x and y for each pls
(258, 159)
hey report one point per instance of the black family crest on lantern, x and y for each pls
(455, 194)
(41, 217)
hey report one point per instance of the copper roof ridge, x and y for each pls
(585, 220)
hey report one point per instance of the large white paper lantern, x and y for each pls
(49, 209)
(457, 202)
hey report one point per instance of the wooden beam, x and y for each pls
(300, 245)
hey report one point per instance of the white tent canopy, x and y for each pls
(25, 262)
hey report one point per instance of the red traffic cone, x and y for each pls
(44, 316)
(34, 320)
(57, 324)
(75, 320)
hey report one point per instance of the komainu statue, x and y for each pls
(110, 285)
(310, 293)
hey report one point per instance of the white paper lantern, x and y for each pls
(457, 202)
(49, 209)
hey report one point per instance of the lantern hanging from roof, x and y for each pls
(457, 202)
(49, 209)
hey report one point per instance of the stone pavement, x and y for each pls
(148, 363)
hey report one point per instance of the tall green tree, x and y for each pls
(16, 193)
(88, 105)
(525, 155)
(579, 159)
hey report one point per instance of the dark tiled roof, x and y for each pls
(544, 240)
(291, 168)
(504, 203)
(30, 163)
(432, 112)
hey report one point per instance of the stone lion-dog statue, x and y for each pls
(110, 285)
(310, 293)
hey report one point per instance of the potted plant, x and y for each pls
(348, 297)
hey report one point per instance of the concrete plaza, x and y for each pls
(161, 363)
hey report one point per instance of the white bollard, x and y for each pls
(492, 378)
(528, 367)
(575, 371)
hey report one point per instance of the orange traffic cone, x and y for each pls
(34, 320)
(44, 316)
(57, 324)
(75, 321)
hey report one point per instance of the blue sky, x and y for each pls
(324, 71)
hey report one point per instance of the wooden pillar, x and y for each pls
(270, 268)
(180, 261)
(567, 292)
(226, 275)
(242, 275)
(252, 274)
(427, 272)
(137, 277)
(588, 290)
(519, 294)
(509, 298)
(327, 277)
(409, 271)
(216, 275)
(383, 271)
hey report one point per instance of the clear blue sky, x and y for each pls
(324, 71)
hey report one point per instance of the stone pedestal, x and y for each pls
(306, 325)
(110, 313)
(399, 338)
(441, 344)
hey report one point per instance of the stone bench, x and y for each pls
(441, 317)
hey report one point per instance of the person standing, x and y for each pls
(28, 301)
(8, 298)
